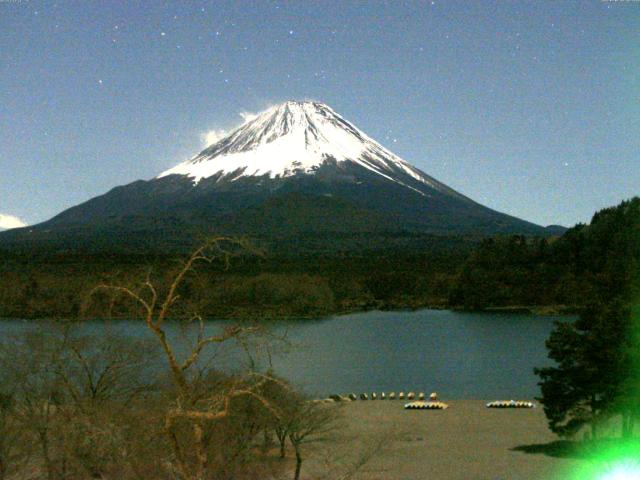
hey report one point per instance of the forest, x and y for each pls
(594, 380)
(556, 274)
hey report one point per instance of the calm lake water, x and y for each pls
(459, 355)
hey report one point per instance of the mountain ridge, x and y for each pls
(298, 138)
(295, 168)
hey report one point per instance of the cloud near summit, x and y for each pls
(212, 136)
(9, 221)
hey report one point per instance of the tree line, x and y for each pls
(267, 284)
(587, 262)
(563, 272)
(595, 378)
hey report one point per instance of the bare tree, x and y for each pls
(12, 438)
(30, 362)
(101, 376)
(349, 455)
(309, 422)
(70, 392)
(284, 400)
(105, 368)
(192, 411)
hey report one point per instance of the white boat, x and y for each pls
(510, 404)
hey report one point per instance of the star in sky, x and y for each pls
(483, 76)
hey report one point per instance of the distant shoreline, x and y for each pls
(269, 315)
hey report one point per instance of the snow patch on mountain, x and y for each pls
(294, 138)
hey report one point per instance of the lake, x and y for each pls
(458, 355)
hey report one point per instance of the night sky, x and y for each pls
(531, 108)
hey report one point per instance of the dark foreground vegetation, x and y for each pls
(97, 406)
(557, 274)
(595, 379)
(78, 406)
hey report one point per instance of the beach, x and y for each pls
(381, 440)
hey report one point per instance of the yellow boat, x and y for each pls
(510, 404)
(419, 405)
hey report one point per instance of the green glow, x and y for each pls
(624, 470)
(612, 459)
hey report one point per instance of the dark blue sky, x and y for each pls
(531, 108)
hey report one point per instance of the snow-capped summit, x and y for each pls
(297, 138)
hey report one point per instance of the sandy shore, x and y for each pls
(466, 441)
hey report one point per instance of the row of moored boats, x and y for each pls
(420, 401)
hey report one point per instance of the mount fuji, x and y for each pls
(298, 169)
(298, 138)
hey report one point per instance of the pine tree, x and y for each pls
(585, 386)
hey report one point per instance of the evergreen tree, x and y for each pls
(589, 354)
(597, 371)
